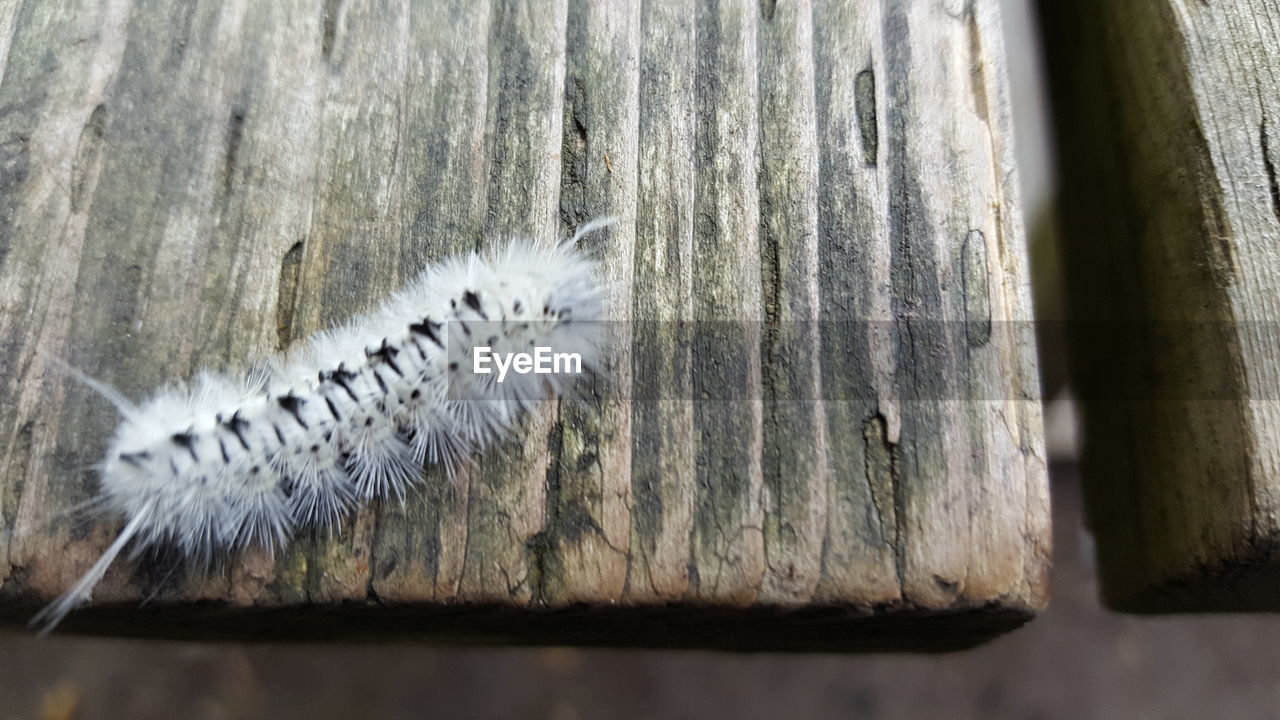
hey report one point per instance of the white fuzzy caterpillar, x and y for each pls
(228, 462)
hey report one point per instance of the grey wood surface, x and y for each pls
(776, 458)
(1168, 113)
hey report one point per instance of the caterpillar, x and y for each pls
(221, 463)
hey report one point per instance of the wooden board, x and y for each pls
(774, 462)
(1168, 113)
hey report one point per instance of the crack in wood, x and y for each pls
(868, 120)
(231, 156)
(329, 27)
(1269, 165)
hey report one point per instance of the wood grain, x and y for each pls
(1172, 210)
(815, 431)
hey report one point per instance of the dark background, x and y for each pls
(1076, 660)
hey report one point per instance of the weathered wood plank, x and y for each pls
(1171, 210)
(585, 544)
(812, 433)
(860, 559)
(727, 559)
(795, 471)
(662, 408)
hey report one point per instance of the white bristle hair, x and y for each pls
(223, 462)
